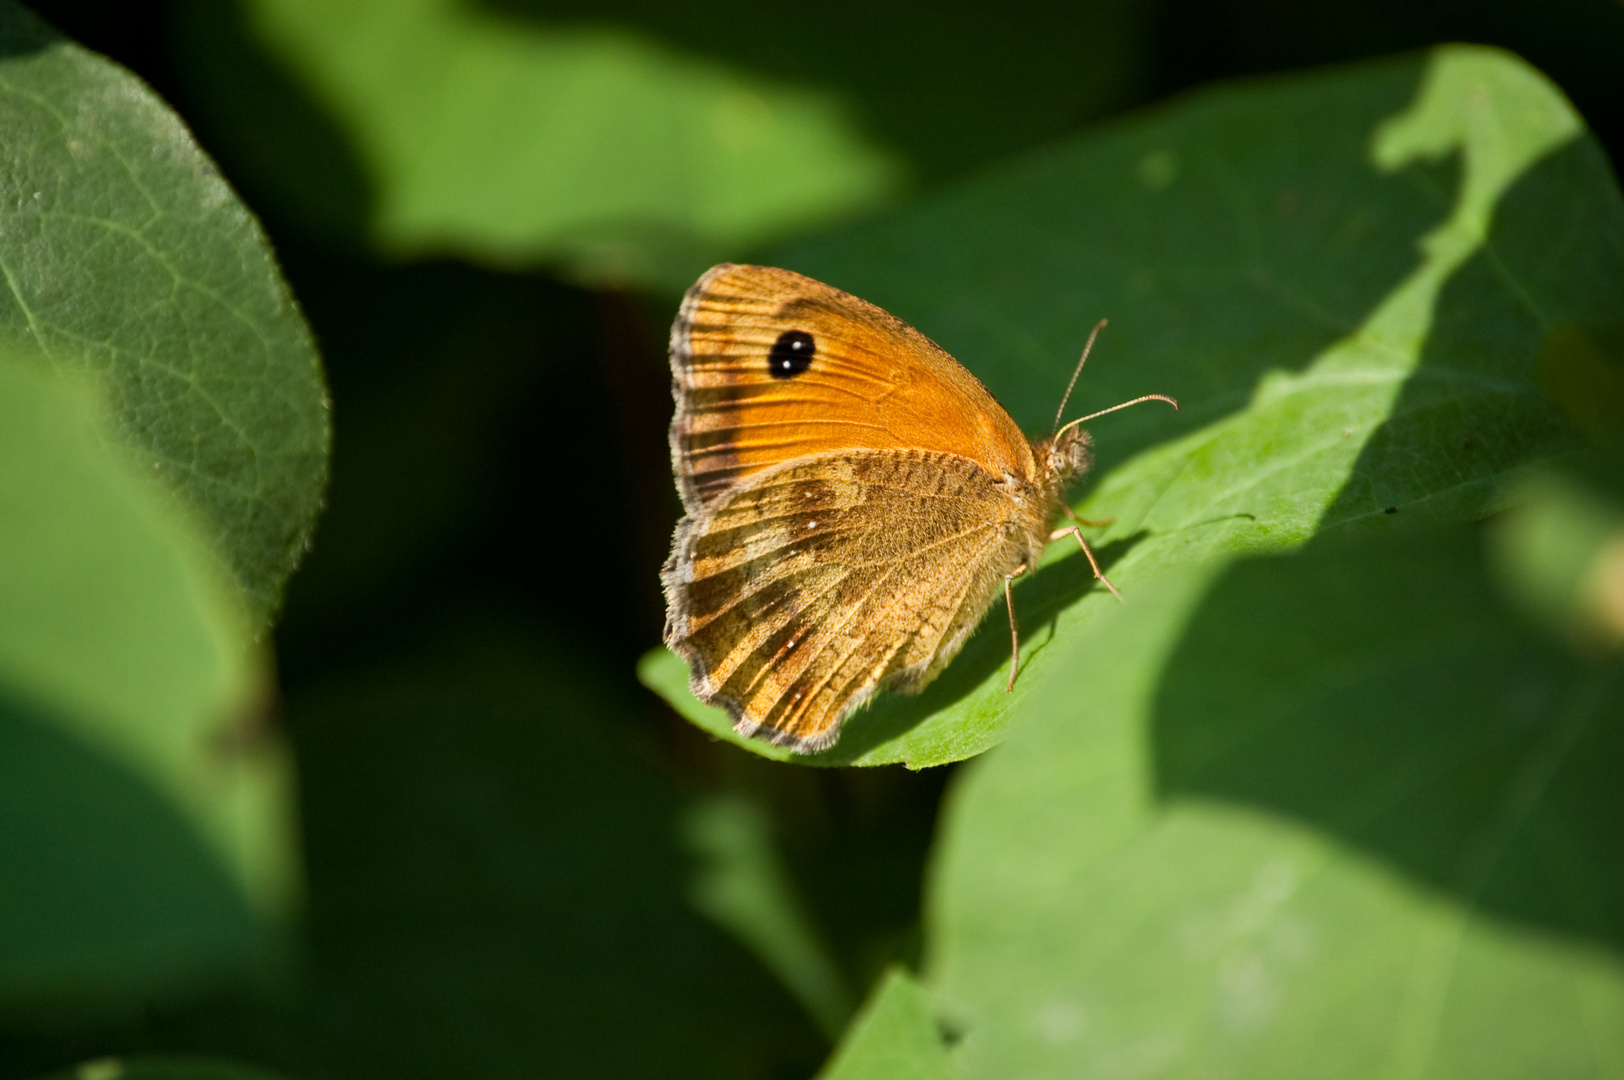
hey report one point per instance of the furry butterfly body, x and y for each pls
(854, 499)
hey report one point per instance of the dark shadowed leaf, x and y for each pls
(742, 885)
(144, 819)
(498, 887)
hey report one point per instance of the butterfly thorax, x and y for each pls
(1033, 502)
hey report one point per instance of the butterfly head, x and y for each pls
(1067, 454)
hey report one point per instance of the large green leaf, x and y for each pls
(1346, 815)
(127, 259)
(628, 140)
(591, 147)
(144, 827)
(1347, 279)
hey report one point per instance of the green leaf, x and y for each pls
(126, 259)
(613, 137)
(589, 146)
(895, 1037)
(1346, 278)
(498, 885)
(144, 824)
(1345, 815)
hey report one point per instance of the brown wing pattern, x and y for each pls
(873, 382)
(803, 590)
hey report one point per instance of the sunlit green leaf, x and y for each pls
(1345, 815)
(126, 260)
(895, 1037)
(588, 146)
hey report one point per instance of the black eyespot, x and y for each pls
(791, 355)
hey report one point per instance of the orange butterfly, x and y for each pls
(854, 498)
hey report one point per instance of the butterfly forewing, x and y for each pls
(769, 367)
(804, 589)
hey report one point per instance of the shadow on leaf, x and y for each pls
(1474, 407)
(1381, 692)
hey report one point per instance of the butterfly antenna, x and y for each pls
(1114, 408)
(1058, 413)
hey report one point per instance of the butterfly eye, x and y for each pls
(791, 354)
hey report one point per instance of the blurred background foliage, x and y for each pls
(504, 857)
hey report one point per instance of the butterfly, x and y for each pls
(853, 497)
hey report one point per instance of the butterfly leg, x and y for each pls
(1058, 533)
(1014, 638)
(1100, 524)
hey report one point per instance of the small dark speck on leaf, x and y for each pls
(1391, 510)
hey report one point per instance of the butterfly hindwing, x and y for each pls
(803, 589)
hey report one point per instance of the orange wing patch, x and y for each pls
(770, 366)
